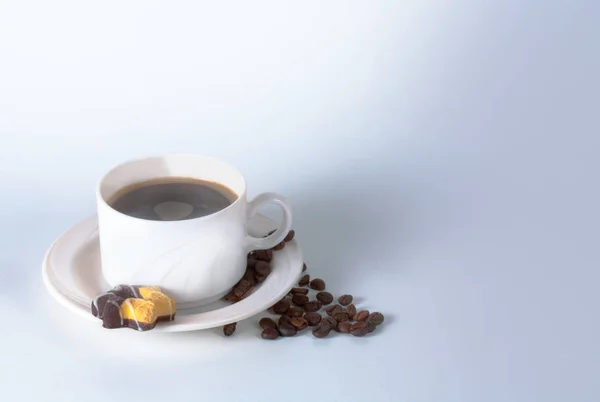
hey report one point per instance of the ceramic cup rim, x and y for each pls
(240, 195)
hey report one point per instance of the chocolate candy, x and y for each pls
(137, 307)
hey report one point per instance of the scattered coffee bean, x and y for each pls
(311, 306)
(244, 284)
(339, 317)
(312, 318)
(351, 310)
(281, 306)
(300, 299)
(251, 263)
(242, 288)
(229, 329)
(267, 322)
(344, 300)
(290, 236)
(250, 275)
(287, 330)
(279, 246)
(238, 293)
(260, 278)
(263, 255)
(270, 333)
(359, 328)
(332, 322)
(370, 326)
(302, 291)
(284, 319)
(303, 267)
(325, 297)
(344, 327)
(299, 323)
(263, 268)
(335, 309)
(304, 280)
(376, 318)
(230, 297)
(362, 315)
(294, 312)
(321, 330)
(317, 284)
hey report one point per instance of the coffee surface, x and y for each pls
(172, 199)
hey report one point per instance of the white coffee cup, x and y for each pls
(195, 260)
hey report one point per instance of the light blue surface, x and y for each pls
(441, 157)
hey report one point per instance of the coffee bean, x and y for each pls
(238, 293)
(263, 255)
(332, 322)
(325, 297)
(242, 288)
(263, 268)
(311, 306)
(321, 330)
(351, 310)
(303, 267)
(339, 317)
(230, 297)
(304, 280)
(370, 326)
(260, 278)
(294, 312)
(362, 315)
(290, 236)
(344, 327)
(359, 329)
(281, 306)
(312, 318)
(284, 319)
(270, 333)
(317, 284)
(251, 262)
(250, 275)
(376, 318)
(287, 330)
(267, 322)
(244, 284)
(279, 246)
(300, 299)
(302, 291)
(229, 329)
(344, 300)
(299, 323)
(332, 310)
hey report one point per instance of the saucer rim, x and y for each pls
(292, 250)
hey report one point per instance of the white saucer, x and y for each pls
(72, 274)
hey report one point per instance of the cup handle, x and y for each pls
(262, 243)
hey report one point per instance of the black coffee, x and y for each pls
(172, 199)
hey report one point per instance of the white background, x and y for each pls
(441, 158)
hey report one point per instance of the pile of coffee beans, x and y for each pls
(342, 317)
(297, 311)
